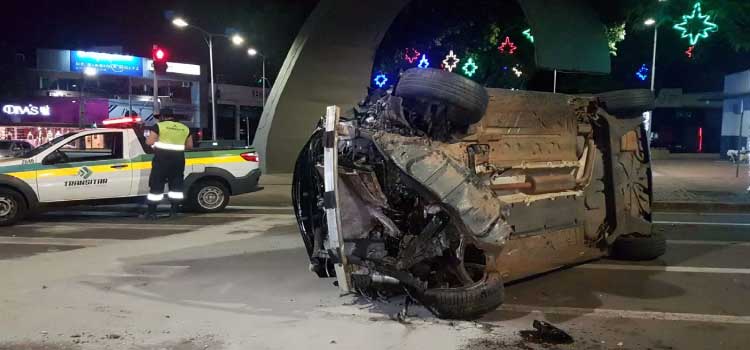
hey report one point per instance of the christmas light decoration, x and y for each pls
(507, 46)
(517, 71)
(470, 67)
(689, 53)
(696, 26)
(451, 61)
(615, 35)
(411, 55)
(424, 62)
(528, 35)
(642, 73)
(380, 80)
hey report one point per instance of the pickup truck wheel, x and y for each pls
(468, 302)
(469, 98)
(208, 196)
(639, 247)
(12, 207)
(627, 103)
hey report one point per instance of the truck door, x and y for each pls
(91, 166)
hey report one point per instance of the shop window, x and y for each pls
(93, 147)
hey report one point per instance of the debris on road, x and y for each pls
(546, 333)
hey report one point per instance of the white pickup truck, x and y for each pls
(111, 165)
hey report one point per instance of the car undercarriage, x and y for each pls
(447, 190)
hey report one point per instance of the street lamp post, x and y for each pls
(253, 52)
(87, 72)
(208, 37)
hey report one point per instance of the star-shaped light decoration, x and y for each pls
(470, 67)
(411, 55)
(380, 80)
(507, 46)
(689, 53)
(696, 26)
(528, 35)
(517, 71)
(642, 73)
(451, 61)
(424, 62)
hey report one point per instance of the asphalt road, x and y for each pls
(95, 278)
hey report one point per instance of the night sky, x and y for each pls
(268, 25)
(271, 25)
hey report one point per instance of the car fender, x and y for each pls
(32, 200)
(223, 174)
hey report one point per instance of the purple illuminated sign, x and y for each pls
(52, 111)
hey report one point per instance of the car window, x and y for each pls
(5, 145)
(34, 151)
(93, 147)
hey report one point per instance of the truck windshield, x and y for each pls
(47, 145)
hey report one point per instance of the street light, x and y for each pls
(235, 38)
(180, 22)
(252, 52)
(649, 22)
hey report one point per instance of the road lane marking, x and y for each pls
(718, 270)
(258, 207)
(108, 226)
(702, 223)
(85, 242)
(695, 242)
(617, 313)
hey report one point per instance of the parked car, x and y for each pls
(13, 148)
(114, 164)
(449, 190)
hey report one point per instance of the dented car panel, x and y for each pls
(449, 212)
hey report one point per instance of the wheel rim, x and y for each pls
(7, 206)
(210, 197)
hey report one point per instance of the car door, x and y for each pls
(91, 166)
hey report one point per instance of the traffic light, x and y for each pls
(159, 55)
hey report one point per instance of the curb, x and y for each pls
(702, 207)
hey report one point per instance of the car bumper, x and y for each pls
(245, 184)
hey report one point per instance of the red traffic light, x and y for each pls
(159, 54)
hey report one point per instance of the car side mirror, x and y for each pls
(53, 158)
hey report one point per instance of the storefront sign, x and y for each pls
(106, 63)
(53, 111)
(43, 110)
(178, 68)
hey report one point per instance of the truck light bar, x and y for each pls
(121, 121)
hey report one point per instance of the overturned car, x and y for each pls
(446, 190)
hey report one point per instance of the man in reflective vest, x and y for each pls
(169, 139)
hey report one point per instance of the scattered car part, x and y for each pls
(546, 333)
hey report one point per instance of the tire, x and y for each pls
(627, 103)
(207, 196)
(12, 207)
(639, 248)
(466, 303)
(469, 98)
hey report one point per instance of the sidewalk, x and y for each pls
(700, 184)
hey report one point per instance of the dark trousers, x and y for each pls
(167, 168)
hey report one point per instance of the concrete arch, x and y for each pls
(331, 60)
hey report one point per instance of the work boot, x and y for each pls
(151, 212)
(174, 210)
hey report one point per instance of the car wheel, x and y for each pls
(12, 207)
(627, 103)
(469, 98)
(208, 196)
(465, 303)
(637, 247)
